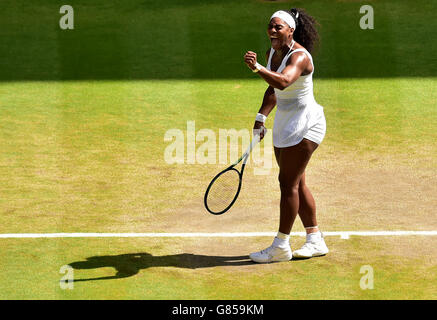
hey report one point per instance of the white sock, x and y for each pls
(314, 237)
(281, 240)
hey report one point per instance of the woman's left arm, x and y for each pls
(296, 65)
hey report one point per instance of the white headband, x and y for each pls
(286, 17)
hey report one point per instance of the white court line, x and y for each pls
(342, 234)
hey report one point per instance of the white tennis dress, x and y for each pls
(298, 115)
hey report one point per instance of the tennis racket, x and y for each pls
(223, 190)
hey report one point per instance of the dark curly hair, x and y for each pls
(306, 29)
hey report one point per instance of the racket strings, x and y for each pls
(223, 191)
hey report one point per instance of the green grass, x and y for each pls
(169, 269)
(83, 118)
(88, 157)
(96, 149)
(132, 39)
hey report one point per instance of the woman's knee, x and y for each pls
(302, 185)
(288, 184)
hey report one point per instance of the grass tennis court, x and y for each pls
(83, 117)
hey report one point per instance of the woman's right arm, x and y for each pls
(268, 104)
(279, 80)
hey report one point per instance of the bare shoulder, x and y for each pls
(299, 57)
(300, 61)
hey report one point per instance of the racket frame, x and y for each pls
(244, 157)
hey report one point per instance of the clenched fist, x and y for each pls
(250, 59)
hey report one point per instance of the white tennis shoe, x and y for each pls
(313, 247)
(272, 254)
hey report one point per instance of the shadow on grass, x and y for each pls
(128, 265)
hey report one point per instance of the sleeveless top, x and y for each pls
(296, 106)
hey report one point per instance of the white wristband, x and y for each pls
(257, 67)
(260, 117)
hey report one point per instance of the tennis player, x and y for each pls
(299, 127)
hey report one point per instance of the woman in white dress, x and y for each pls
(299, 127)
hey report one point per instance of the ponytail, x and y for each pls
(306, 32)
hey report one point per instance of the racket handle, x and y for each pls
(256, 139)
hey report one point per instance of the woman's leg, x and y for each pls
(292, 163)
(307, 207)
(315, 244)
